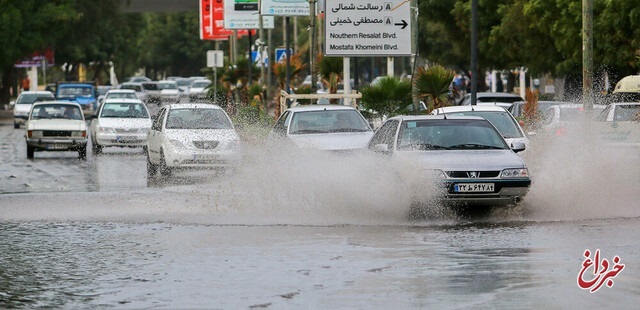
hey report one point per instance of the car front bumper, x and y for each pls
(506, 192)
(122, 140)
(57, 144)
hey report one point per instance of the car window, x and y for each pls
(124, 110)
(280, 126)
(626, 113)
(327, 121)
(157, 123)
(75, 91)
(56, 111)
(197, 118)
(385, 135)
(448, 134)
(502, 120)
(31, 98)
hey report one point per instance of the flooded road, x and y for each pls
(291, 234)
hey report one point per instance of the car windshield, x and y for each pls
(121, 96)
(327, 121)
(626, 113)
(124, 110)
(183, 82)
(448, 135)
(201, 84)
(198, 118)
(576, 114)
(502, 120)
(31, 98)
(56, 111)
(77, 91)
(137, 88)
(167, 86)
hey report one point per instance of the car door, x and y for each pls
(154, 138)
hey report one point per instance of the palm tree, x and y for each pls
(296, 64)
(433, 85)
(330, 69)
(389, 97)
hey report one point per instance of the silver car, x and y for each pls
(470, 160)
(121, 123)
(325, 127)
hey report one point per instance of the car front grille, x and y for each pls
(470, 174)
(56, 133)
(206, 145)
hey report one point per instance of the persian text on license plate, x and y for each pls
(473, 187)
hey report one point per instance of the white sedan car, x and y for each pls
(336, 128)
(192, 136)
(199, 90)
(56, 126)
(120, 122)
(24, 102)
(502, 119)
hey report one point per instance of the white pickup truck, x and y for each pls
(619, 124)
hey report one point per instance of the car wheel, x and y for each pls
(152, 169)
(145, 150)
(96, 148)
(16, 125)
(82, 152)
(164, 170)
(30, 151)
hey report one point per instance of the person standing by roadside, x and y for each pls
(26, 83)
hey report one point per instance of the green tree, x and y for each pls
(433, 84)
(389, 97)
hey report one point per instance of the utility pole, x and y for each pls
(414, 54)
(587, 54)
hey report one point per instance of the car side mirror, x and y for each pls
(518, 146)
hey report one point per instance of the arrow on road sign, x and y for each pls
(404, 24)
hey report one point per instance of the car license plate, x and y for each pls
(473, 187)
(124, 139)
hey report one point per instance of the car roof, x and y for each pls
(628, 84)
(37, 103)
(110, 91)
(320, 107)
(624, 103)
(466, 108)
(123, 100)
(436, 117)
(575, 106)
(36, 92)
(490, 94)
(193, 106)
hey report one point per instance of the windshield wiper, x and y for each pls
(303, 131)
(425, 146)
(475, 146)
(347, 130)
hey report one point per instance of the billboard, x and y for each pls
(285, 7)
(243, 14)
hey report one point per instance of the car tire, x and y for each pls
(30, 151)
(96, 148)
(162, 167)
(82, 152)
(16, 125)
(152, 169)
(145, 151)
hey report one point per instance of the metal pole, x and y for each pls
(288, 53)
(587, 54)
(474, 51)
(312, 48)
(250, 60)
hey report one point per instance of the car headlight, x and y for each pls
(176, 144)
(107, 130)
(515, 173)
